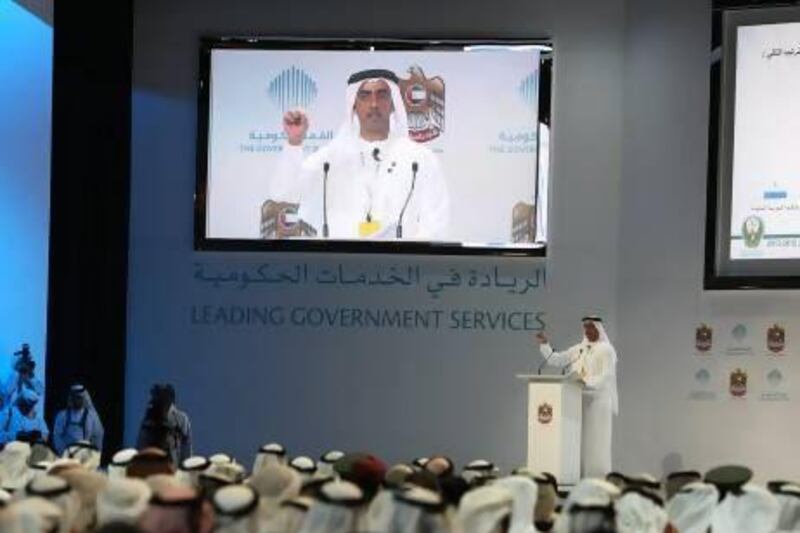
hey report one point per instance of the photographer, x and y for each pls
(22, 377)
(165, 426)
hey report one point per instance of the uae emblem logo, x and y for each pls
(279, 220)
(424, 102)
(776, 338)
(738, 383)
(703, 337)
(752, 231)
(545, 413)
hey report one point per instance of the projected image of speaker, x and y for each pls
(373, 145)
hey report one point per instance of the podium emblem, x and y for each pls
(703, 337)
(738, 383)
(776, 338)
(545, 413)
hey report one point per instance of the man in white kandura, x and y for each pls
(377, 177)
(594, 361)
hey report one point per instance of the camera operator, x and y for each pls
(23, 376)
(165, 426)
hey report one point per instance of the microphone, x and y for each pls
(325, 168)
(376, 153)
(414, 169)
(544, 363)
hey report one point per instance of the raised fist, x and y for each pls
(295, 125)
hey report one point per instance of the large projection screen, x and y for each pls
(467, 173)
(757, 215)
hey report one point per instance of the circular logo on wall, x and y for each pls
(739, 332)
(702, 376)
(775, 378)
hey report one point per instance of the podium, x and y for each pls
(554, 425)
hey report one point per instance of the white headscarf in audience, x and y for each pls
(123, 500)
(337, 511)
(226, 473)
(31, 515)
(592, 489)
(755, 510)
(379, 511)
(326, 462)
(640, 512)
(418, 509)
(305, 466)
(690, 509)
(420, 462)
(39, 469)
(220, 458)
(289, 518)
(87, 485)
(788, 497)
(588, 492)
(85, 453)
(524, 491)
(14, 471)
(236, 508)
(590, 515)
(119, 463)
(57, 490)
(269, 454)
(276, 484)
(484, 508)
(477, 469)
(190, 469)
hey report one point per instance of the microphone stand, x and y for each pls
(325, 168)
(414, 169)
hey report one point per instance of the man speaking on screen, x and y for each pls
(371, 181)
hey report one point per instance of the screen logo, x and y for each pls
(423, 98)
(291, 89)
(528, 90)
(752, 231)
